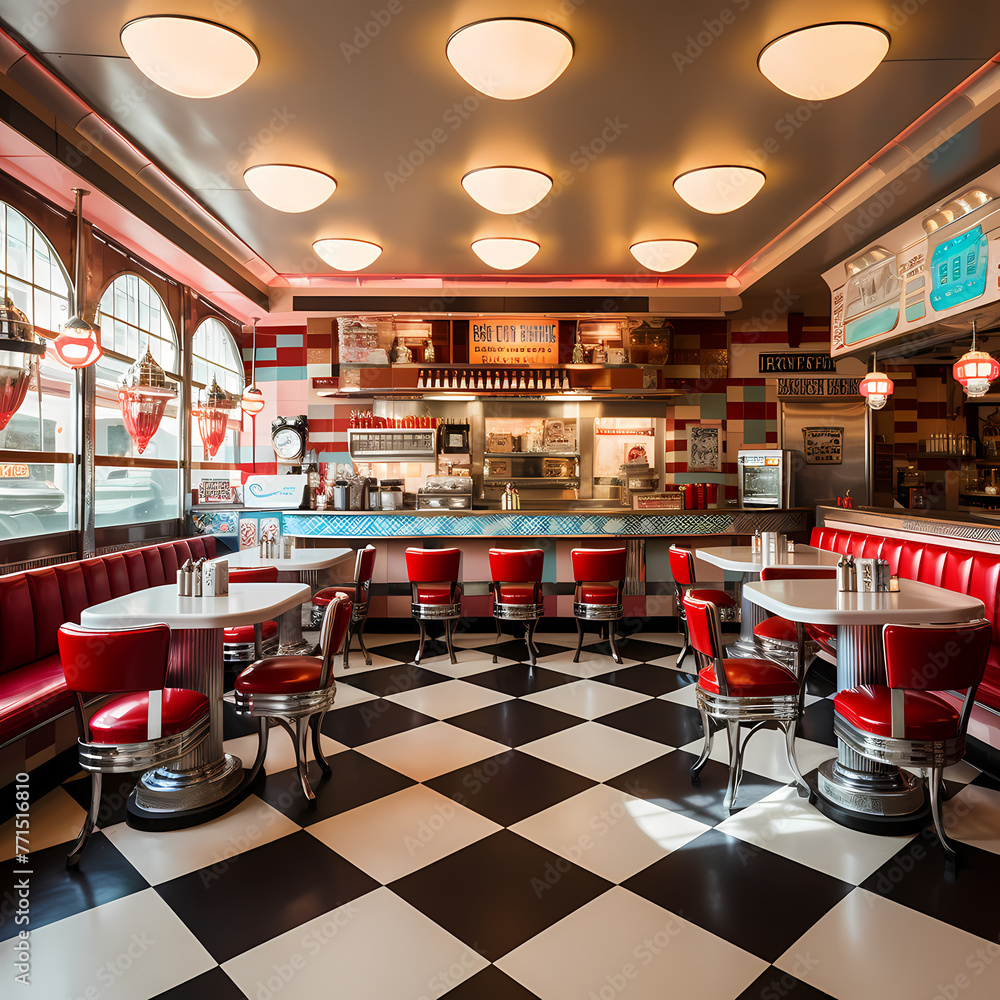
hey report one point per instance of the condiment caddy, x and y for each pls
(202, 578)
(865, 576)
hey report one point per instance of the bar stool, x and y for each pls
(682, 570)
(242, 644)
(600, 581)
(364, 566)
(299, 689)
(517, 591)
(902, 723)
(435, 593)
(147, 726)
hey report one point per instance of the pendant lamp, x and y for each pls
(143, 394)
(252, 401)
(79, 345)
(212, 414)
(976, 370)
(876, 387)
(19, 351)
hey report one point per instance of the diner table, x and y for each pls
(851, 789)
(321, 560)
(749, 562)
(206, 782)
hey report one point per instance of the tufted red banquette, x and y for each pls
(34, 604)
(965, 570)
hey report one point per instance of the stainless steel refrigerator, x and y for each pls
(831, 445)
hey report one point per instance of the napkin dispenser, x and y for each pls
(865, 576)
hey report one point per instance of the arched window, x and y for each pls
(132, 317)
(214, 352)
(38, 499)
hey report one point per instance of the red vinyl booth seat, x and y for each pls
(34, 604)
(962, 569)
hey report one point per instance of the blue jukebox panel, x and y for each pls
(958, 270)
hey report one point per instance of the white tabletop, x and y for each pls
(300, 561)
(246, 604)
(743, 559)
(819, 602)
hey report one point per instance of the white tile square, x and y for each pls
(870, 948)
(357, 662)
(586, 698)
(161, 856)
(449, 698)
(609, 832)
(595, 751)
(348, 695)
(592, 663)
(375, 946)
(54, 819)
(280, 750)
(787, 825)
(427, 751)
(399, 833)
(622, 945)
(973, 817)
(687, 695)
(132, 948)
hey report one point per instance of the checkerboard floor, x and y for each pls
(496, 832)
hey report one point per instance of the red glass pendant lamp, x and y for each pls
(976, 370)
(79, 345)
(212, 415)
(19, 351)
(876, 387)
(252, 400)
(143, 394)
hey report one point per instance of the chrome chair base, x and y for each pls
(527, 613)
(605, 615)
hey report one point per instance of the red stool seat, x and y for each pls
(244, 633)
(718, 597)
(125, 720)
(749, 677)
(281, 675)
(868, 708)
(517, 593)
(598, 593)
(429, 593)
(777, 628)
(824, 635)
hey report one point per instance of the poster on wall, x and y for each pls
(503, 340)
(704, 448)
(823, 445)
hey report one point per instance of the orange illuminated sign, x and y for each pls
(13, 472)
(506, 340)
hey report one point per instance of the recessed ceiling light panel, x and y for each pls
(347, 255)
(663, 255)
(509, 57)
(505, 253)
(507, 190)
(190, 56)
(824, 60)
(717, 190)
(289, 188)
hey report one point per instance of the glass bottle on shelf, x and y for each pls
(548, 379)
(420, 379)
(523, 384)
(506, 381)
(461, 382)
(531, 378)
(428, 350)
(479, 380)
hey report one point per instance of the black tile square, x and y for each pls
(773, 984)
(516, 648)
(263, 893)
(354, 781)
(115, 790)
(916, 877)
(510, 786)
(395, 680)
(821, 680)
(735, 890)
(816, 723)
(634, 648)
(648, 679)
(490, 984)
(406, 649)
(519, 679)
(515, 722)
(663, 721)
(368, 721)
(211, 985)
(102, 875)
(499, 892)
(667, 782)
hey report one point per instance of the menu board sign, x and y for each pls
(506, 340)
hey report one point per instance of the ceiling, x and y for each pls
(655, 88)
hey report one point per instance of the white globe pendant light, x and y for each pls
(663, 255)
(347, 255)
(288, 187)
(505, 253)
(507, 190)
(717, 190)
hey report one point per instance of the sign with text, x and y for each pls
(781, 364)
(505, 340)
(13, 472)
(818, 387)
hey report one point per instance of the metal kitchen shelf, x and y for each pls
(392, 444)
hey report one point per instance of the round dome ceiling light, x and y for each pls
(505, 253)
(509, 57)
(507, 190)
(823, 60)
(347, 255)
(663, 255)
(188, 55)
(289, 188)
(717, 190)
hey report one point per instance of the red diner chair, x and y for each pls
(364, 566)
(149, 725)
(242, 644)
(435, 593)
(901, 722)
(600, 581)
(517, 591)
(739, 691)
(682, 570)
(298, 689)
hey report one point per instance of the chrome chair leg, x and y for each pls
(934, 786)
(706, 748)
(613, 642)
(316, 721)
(347, 646)
(89, 822)
(361, 641)
(579, 640)
(735, 765)
(532, 652)
(423, 641)
(496, 622)
(447, 638)
(301, 745)
(789, 727)
(265, 728)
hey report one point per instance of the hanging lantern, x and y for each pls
(143, 394)
(975, 370)
(18, 351)
(213, 416)
(79, 345)
(877, 387)
(252, 401)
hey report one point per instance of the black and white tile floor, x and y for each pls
(496, 833)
